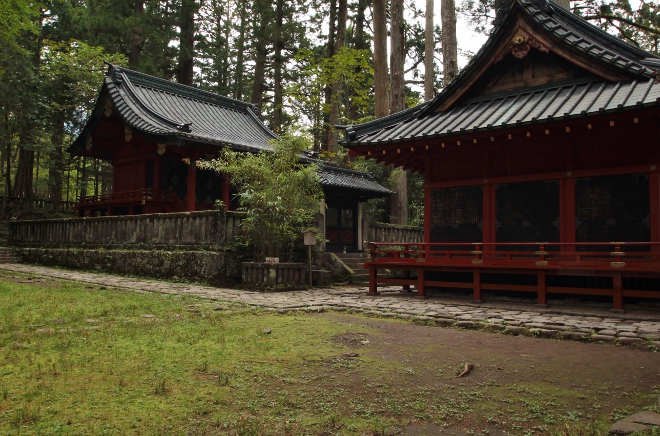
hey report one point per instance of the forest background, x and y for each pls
(306, 64)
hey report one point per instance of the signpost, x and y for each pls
(309, 238)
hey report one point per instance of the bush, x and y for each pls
(279, 194)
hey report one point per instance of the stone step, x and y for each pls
(343, 256)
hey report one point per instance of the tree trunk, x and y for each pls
(56, 168)
(398, 201)
(382, 107)
(449, 43)
(24, 175)
(429, 46)
(360, 44)
(260, 62)
(186, 42)
(240, 48)
(279, 46)
(328, 89)
(333, 117)
(397, 58)
(137, 40)
(8, 189)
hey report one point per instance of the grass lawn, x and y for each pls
(77, 359)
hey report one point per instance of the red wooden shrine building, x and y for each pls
(153, 131)
(542, 165)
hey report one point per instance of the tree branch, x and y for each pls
(630, 22)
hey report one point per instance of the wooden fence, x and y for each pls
(381, 232)
(184, 230)
(37, 203)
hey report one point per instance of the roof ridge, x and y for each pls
(600, 32)
(186, 90)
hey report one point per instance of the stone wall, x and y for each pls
(207, 266)
(189, 245)
(210, 230)
(382, 232)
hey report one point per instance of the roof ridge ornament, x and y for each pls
(544, 5)
(520, 45)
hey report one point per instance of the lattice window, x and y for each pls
(527, 212)
(612, 209)
(457, 214)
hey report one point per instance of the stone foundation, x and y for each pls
(208, 266)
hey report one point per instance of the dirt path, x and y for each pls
(518, 382)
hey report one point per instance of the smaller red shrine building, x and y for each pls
(541, 163)
(153, 131)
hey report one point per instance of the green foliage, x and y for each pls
(17, 17)
(279, 194)
(70, 76)
(315, 73)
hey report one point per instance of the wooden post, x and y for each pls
(421, 285)
(489, 217)
(190, 194)
(567, 211)
(158, 171)
(406, 274)
(476, 285)
(427, 216)
(309, 262)
(226, 198)
(617, 288)
(654, 215)
(541, 289)
(373, 275)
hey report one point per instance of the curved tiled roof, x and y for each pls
(565, 101)
(163, 109)
(448, 113)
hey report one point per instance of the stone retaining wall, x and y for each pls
(209, 230)
(208, 266)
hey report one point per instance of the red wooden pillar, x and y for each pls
(406, 275)
(158, 171)
(373, 275)
(476, 285)
(489, 217)
(421, 285)
(427, 216)
(190, 194)
(567, 213)
(541, 290)
(617, 291)
(654, 213)
(226, 199)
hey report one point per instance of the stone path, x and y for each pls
(638, 328)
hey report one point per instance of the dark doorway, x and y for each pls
(341, 227)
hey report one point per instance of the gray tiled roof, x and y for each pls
(352, 180)
(546, 103)
(522, 108)
(162, 108)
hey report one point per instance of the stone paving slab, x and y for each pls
(573, 323)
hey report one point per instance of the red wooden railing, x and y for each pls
(641, 256)
(140, 196)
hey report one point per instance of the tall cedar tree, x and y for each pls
(336, 91)
(382, 107)
(449, 42)
(185, 70)
(398, 201)
(429, 46)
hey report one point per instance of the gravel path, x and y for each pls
(579, 322)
